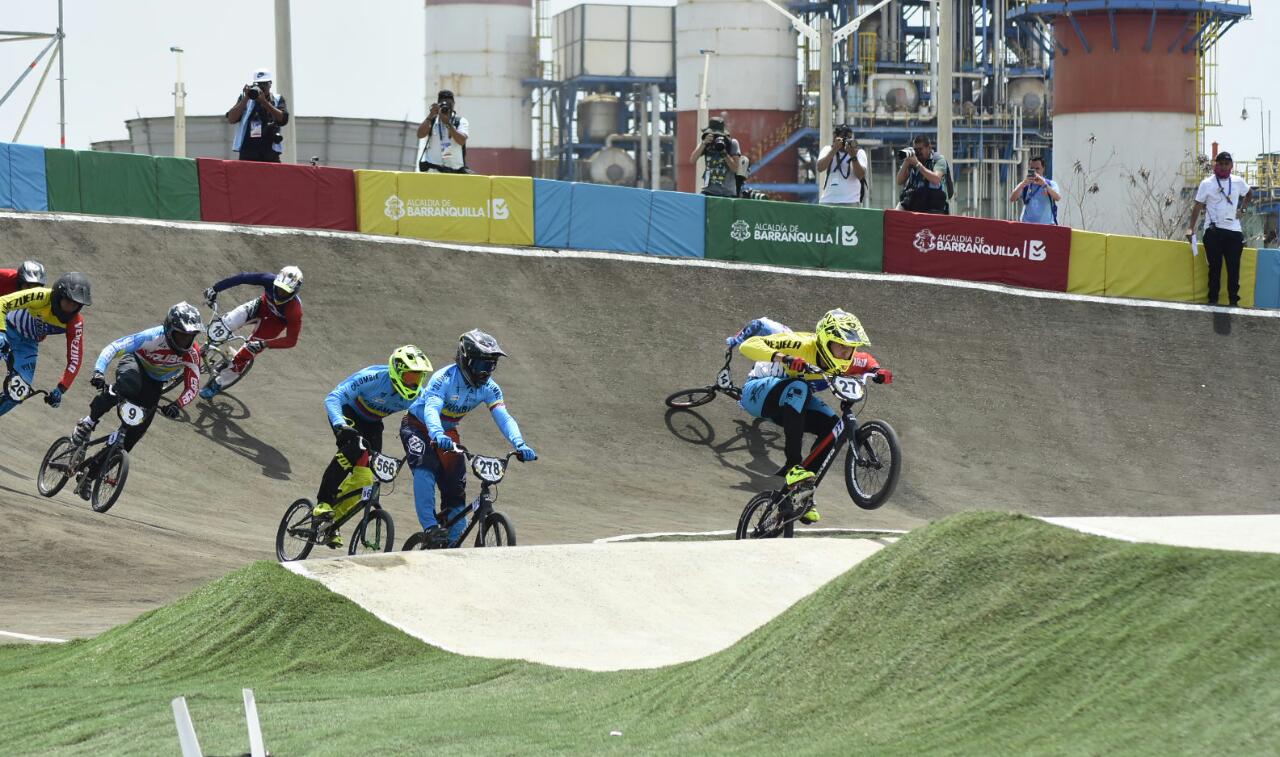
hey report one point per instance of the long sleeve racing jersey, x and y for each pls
(290, 312)
(157, 359)
(799, 344)
(368, 392)
(448, 398)
(29, 314)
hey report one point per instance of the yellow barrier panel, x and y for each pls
(1087, 271)
(445, 207)
(511, 206)
(1155, 269)
(1248, 278)
(376, 202)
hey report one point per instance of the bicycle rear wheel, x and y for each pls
(762, 518)
(872, 477)
(687, 398)
(496, 531)
(296, 535)
(376, 533)
(56, 467)
(109, 484)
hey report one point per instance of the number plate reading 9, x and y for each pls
(488, 469)
(218, 332)
(131, 414)
(385, 468)
(848, 387)
(17, 388)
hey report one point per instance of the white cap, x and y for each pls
(261, 75)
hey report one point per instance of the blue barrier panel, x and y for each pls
(6, 182)
(678, 225)
(552, 203)
(1266, 291)
(610, 218)
(27, 179)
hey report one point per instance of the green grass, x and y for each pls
(981, 634)
(801, 533)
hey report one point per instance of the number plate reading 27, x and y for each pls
(488, 469)
(385, 468)
(17, 388)
(848, 387)
(131, 414)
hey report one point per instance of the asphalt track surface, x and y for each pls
(1004, 400)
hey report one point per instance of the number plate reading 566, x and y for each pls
(385, 468)
(488, 469)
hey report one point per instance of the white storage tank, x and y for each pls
(481, 51)
(753, 79)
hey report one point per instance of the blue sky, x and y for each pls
(366, 63)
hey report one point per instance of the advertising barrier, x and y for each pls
(1155, 269)
(118, 184)
(1087, 272)
(552, 209)
(373, 188)
(178, 189)
(677, 224)
(446, 207)
(609, 218)
(792, 234)
(1266, 292)
(1023, 254)
(62, 180)
(22, 177)
(511, 203)
(271, 194)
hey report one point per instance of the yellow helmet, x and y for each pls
(408, 359)
(838, 327)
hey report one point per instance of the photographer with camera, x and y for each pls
(261, 115)
(846, 167)
(926, 178)
(1039, 195)
(446, 134)
(721, 160)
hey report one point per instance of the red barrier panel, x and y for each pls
(272, 194)
(977, 249)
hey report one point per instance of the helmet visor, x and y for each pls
(484, 365)
(280, 295)
(183, 339)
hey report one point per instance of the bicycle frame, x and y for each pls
(223, 346)
(481, 506)
(825, 450)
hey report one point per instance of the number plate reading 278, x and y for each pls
(489, 469)
(385, 468)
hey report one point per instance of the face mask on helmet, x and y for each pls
(181, 341)
(280, 296)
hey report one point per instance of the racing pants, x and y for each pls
(434, 468)
(792, 404)
(22, 352)
(268, 327)
(348, 457)
(135, 385)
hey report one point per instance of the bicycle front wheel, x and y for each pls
(110, 481)
(872, 474)
(687, 398)
(56, 467)
(296, 535)
(376, 533)
(496, 531)
(762, 518)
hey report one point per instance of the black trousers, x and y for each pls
(349, 455)
(133, 384)
(1223, 245)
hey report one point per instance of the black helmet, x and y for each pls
(70, 287)
(30, 274)
(181, 326)
(477, 356)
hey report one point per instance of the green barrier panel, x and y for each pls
(794, 234)
(178, 186)
(62, 174)
(118, 184)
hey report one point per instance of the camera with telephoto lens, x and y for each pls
(253, 92)
(444, 107)
(719, 144)
(905, 153)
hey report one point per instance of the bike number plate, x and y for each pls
(131, 414)
(218, 331)
(385, 468)
(17, 388)
(488, 469)
(848, 387)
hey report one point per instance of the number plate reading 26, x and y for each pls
(131, 414)
(218, 332)
(385, 468)
(489, 469)
(848, 387)
(17, 388)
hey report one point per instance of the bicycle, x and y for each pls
(375, 532)
(66, 458)
(872, 467)
(217, 353)
(495, 529)
(688, 398)
(18, 390)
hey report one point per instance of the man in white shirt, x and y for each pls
(1223, 198)
(846, 167)
(446, 134)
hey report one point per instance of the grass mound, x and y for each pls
(982, 633)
